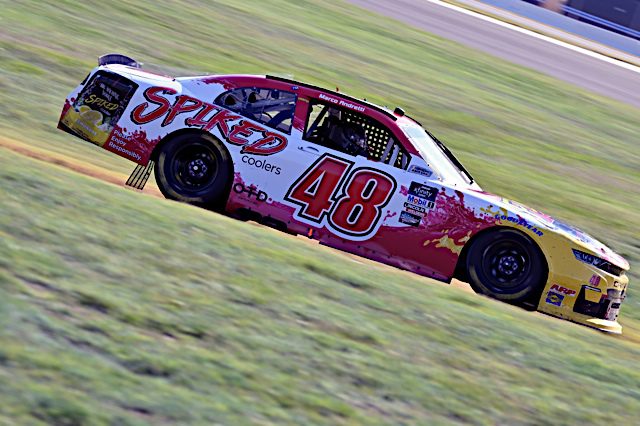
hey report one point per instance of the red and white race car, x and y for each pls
(355, 176)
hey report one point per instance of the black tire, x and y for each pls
(194, 169)
(507, 265)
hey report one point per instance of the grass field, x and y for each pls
(120, 308)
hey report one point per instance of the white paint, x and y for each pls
(548, 39)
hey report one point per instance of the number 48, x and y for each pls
(352, 202)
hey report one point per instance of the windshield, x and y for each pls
(437, 156)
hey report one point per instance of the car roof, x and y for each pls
(371, 105)
(398, 118)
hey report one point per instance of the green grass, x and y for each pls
(119, 308)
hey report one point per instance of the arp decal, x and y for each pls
(253, 138)
(564, 290)
(349, 202)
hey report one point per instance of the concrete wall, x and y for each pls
(582, 29)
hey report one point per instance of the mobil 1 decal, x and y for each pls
(420, 199)
(348, 200)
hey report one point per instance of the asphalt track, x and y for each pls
(591, 73)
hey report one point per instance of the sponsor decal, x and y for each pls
(261, 164)
(420, 199)
(99, 106)
(410, 219)
(564, 290)
(554, 298)
(417, 203)
(100, 102)
(420, 171)
(115, 147)
(253, 138)
(423, 191)
(251, 192)
(521, 222)
(341, 102)
(119, 139)
(595, 280)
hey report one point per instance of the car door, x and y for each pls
(260, 172)
(354, 170)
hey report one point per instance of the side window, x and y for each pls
(353, 133)
(271, 107)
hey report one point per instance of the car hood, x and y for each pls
(545, 221)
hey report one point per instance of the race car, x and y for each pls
(355, 176)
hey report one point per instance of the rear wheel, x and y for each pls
(194, 169)
(507, 265)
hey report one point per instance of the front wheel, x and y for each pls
(194, 169)
(507, 265)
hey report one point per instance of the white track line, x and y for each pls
(557, 42)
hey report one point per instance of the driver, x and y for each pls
(343, 135)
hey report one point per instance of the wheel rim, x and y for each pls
(507, 265)
(195, 167)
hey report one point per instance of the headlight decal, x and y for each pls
(599, 263)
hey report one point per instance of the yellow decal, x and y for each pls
(93, 99)
(88, 124)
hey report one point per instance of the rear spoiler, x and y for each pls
(117, 58)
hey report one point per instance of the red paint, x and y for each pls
(182, 104)
(315, 188)
(135, 142)
(65, 108)
(152, 94)
(242, 130)
(564, 290)
(270, 144)
(359, 210)
(199, 119)
(401, 246)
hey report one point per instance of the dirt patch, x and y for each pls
(91, 171)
